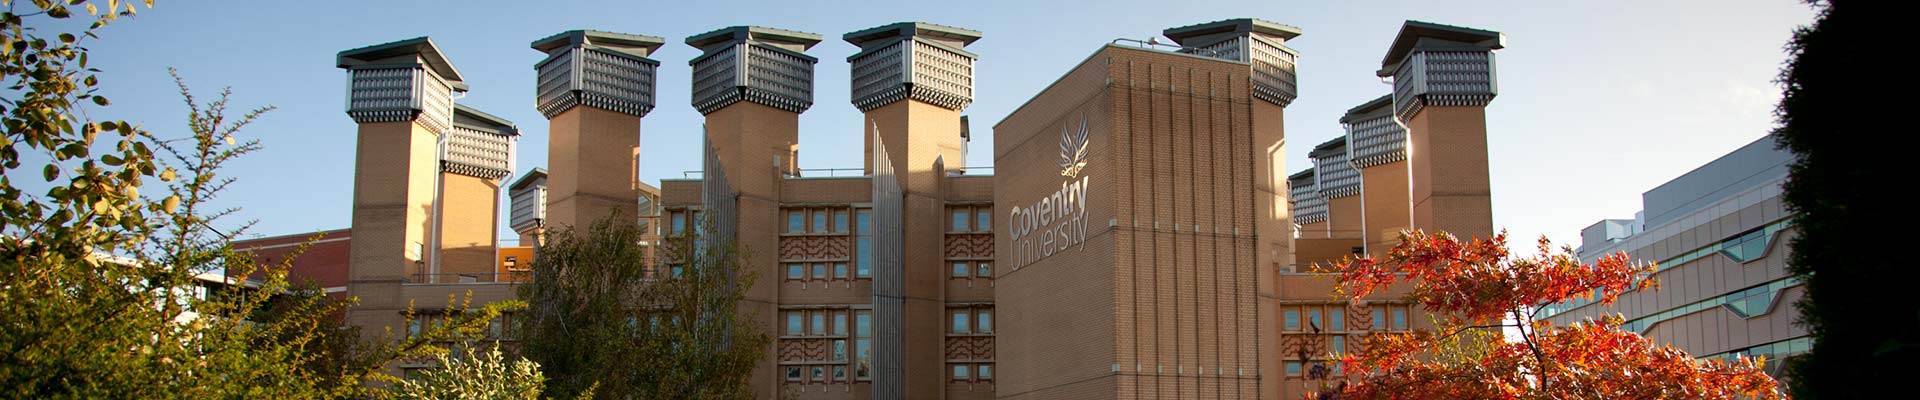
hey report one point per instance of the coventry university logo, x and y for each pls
(1073, 149)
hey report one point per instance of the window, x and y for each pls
(819, 373)
(960, 269)
(839, 220)
(793, 323)
(793, 373)
(862, 344)
(678, 220)
(1313, 319)
(820, 271)
(984, 270)
(840, 350)
(819, 221)
(863, 244)
(1337, 320)
(840, 323)
(986, 372)
(1293, 319)
(1338, 344)
(796, 271)
(1400, 318)
(983, 219)
(1379, 318)
(819, 323)
(796, 221)
(960, 372)
(986, 321)
(960, 319)
(1293, 368)
(839, 373)
(839, 270)
(960, 217)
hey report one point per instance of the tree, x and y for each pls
(1864, 326)
(604, 317)
(474, 375)
(1476, 287)
(108, 293)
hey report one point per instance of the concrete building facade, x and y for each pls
(1720, 235)
(1143, 239)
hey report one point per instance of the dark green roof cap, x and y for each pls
(753, 33)
(1303, 174)
(463, 114)
(527, 180)
(1337, 145)
(899, 29)
(1417, 34)
(638, 45)
(1367, 109)
(1239, 25)
(383, 53)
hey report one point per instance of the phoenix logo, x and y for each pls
(1073, 149)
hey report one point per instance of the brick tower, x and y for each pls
(594, 87)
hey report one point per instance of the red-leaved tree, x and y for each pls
(1478, 290)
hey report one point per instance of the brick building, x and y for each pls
(1142, 240)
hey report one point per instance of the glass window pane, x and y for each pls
(793, 324)
(959, 219)
(985, 270)
(986, 321)
(1400, 319)
(960, 322)
(1293, 320)
(960, 372)
(864, 221)
(1337, 320)
(794, 271)
(819, 271)
(986, 372)
(863, 323)
(839, 373)
(960, 270)
(819, 374)
(795, 222)
(679, 223)
(839, 220)
(840, 350)
(1339, 344)
(840, 323)
(1379, 318)
(840, 270)
(1313, 319)
(863, 257)
(793, 374)
(819, 221)
(819, 323)
(983, 219)
(1293, 368)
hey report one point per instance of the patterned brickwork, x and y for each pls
(970, 348)
(815, 248)
(793, 350)
(969, 246)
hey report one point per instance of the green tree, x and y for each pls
(474, 375)
(1841, 188)
(109, 293)
(603, 317)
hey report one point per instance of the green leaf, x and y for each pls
(52, 172)
(100, 100)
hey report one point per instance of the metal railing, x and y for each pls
(471, 277)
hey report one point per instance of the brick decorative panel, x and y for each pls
(970, 348)
(978, 245)
(1313, 345)
(815, 248)
(1359, 317)
(803, 349)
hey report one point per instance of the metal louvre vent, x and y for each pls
(399, 94)
(879, 77)
(1444, 78)
(1376, 141)
(941, 77)
(1336, 178)
(529, 208)
(764, 76)
(478, 154)
(1231, 49)
(1273, 72)
(1308, 206)
(584, 76)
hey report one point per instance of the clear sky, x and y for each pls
(1599, 101)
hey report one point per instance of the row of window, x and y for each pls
(851, 352)
(972, 269)
(818, 220)
(834, 271)
(1742, 248)
(970, 320)
(970, 219)
(971, 372)
(1747, 303)
(1333, 318)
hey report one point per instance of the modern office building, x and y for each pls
(1720, 235)
(1141, 239)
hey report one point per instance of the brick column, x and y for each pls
(594, 87)
(1443, 79)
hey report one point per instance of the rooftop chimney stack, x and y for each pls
(1378, 149)
(476, 154)
(594, 87)
(1443, 79)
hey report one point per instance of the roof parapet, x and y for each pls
(1203, 34)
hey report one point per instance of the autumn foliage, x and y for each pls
(1476, 289)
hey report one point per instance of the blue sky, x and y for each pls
(1599, 101)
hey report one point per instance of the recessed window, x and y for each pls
(1292, 319)
(1379, 318)
(793, 324)
(820, 221)
(1313, 318)
(960, 217)
(1338, 344)
(1400, 319)
(960, 372)
(840, 323)
(839, 373)
(793, 374)
(796, 271)
(1336, 320)
(1293, 368)
(796, 221)
(983, 219)
(819, 323)
(986, 321)
(960, 324)
(986, 372)
(960, 269)
(839, 220)
(819, 374)
(984, 270)
(840, 270)
(819, 271)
